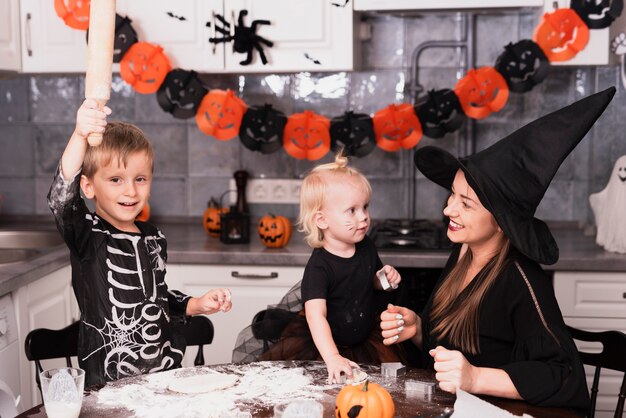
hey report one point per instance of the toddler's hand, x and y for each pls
(90, 118)
(338, 364)
(213, 301)
(393, 277)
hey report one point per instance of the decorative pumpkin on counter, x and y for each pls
(145, 66)
(561, 34)
(144, 215)
(211, 218)
(368, 400)
(481, 92)
(274, 231)
(220, 113)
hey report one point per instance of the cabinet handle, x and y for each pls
(237, 275)
(624, 295)
(29, 49)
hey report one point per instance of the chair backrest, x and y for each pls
(198, 331)
(612, 356)
(46, 344)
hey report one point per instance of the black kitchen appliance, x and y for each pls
(410, 235)
(235, 224)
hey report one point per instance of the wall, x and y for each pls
(37, 116)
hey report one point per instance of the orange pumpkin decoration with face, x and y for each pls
(220, 113)
(145, 66)
(75, 13)
(397, 126)
(274, 231)
(482, 92)
(561, 34)
(367, 400)
(307, 135)
(144, 215)
(211, 218)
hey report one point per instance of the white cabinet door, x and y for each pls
(597, 50)
(48, 45)
(179, 27)
(10, 35)
(46, 303)
(308, 35)
(252, 288)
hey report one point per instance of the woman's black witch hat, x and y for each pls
(511, 176)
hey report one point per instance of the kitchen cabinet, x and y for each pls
(45, 303)
(47, 44)
(307, 35)
(595, 301)
(10, 35)
(252, 288)
(597, 50)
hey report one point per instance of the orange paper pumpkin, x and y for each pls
(274, 231)
(307, 135)
(144, 215)
(75, 13)
(482, 92)
(211, 219)
(561, 34)
(397, 126)
(367, 400)
(145, 66)
(220, 114)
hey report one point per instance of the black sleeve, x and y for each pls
(316, 279)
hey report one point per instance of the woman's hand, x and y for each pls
(338, 364)
(454, 371)
(212, 301)
(399, 324)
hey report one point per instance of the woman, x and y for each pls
(492, 325)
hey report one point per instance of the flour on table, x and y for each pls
(202, 383)
(259, 384)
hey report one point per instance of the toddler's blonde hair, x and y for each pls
(313, 193)
(119, 140)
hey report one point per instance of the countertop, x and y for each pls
(189, 244)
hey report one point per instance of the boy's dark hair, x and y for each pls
(119, 140)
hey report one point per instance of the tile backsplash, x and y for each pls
(37, 117)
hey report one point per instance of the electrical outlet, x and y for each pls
(285, 191)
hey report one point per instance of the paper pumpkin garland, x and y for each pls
(439, 112)
(220, 114)
(354, 133)
(523, 65)
(144, 67)
(561, 34)
(396, 127)
(597, 14)
(481, 92)
(181, 93)
(262, 129)
(75, 13)
(125, 37)
(307, 136)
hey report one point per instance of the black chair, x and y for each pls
(612, 356)
(45, 344)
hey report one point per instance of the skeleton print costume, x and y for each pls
(119, 282)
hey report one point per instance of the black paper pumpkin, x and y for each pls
(598, 14)
(262, 129)
(181, 93)
(439, 112)
(523, 65)
(125, 37)
(354, 132)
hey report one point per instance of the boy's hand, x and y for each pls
(214, 300)
(90, 118)
(393, 277)
(338, 364)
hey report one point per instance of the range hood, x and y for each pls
(432, 5)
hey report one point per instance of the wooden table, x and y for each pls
(407, 404)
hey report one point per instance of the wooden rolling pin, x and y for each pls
(100, 56)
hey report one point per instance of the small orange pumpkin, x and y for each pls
(368, 400)
(211, 218)
(274, 231)
(144, 215)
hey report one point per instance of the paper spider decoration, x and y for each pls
(181, 93)
(598, 14)
(220, 114)
(307, 136)
(75, 13)
(354, 132)
(397, 126)
(144, 67)
(523, 65)
(262, 129)
(561, 34)
(245, 38)
(439, 112)
(481, 92)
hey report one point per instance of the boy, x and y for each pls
(118, 264)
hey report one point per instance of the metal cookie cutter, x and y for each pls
(419, 386)
(382, 277)
(394, 369)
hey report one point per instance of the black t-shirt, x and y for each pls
(347, 286)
